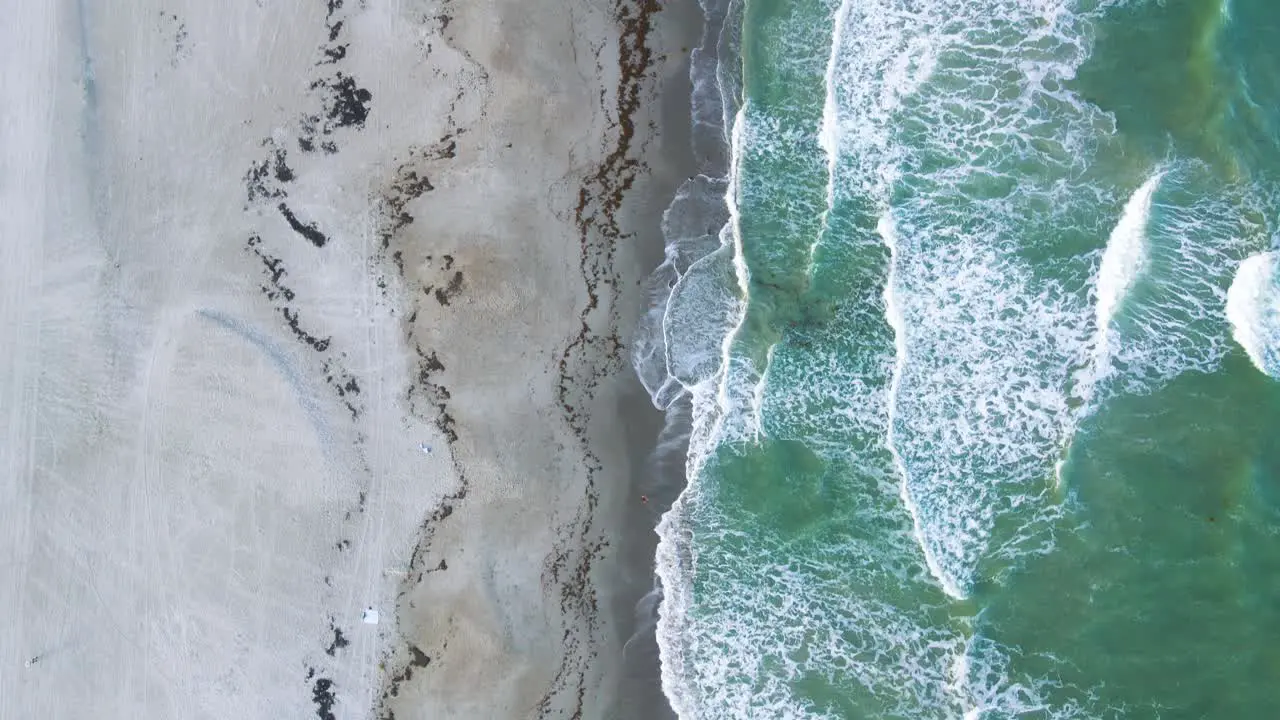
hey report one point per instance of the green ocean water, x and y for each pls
(982, 419)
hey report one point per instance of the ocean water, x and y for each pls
(976, 322)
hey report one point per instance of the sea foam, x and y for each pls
(1197, 230)
(938, 424)
(1123, 261)
(1253, 308)
(952, 121)
(929, 113)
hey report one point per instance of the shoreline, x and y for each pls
(692, 207)
(652, 487)
(693, 226)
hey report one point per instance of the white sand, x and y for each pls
(194, 502)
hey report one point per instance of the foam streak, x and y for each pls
(1123, 263)
(1253, 308)
(893, 315)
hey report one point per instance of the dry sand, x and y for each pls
(308, 309)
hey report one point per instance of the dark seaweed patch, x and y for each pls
(280, 294)
(315, 343)
(263, 178)
(334, 54)
(343, 383)
(450, 291)
(431, 363)
(274, 268)
(417, 659)
(435, 394)
(322, 696)
(283, 172)
(255, 183)
(339, 640)
(306, 230)
(409, 183)
(308, 126)
(347, 104)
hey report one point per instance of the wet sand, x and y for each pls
(658, 449)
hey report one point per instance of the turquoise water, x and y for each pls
(980, 366)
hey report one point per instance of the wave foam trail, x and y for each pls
(926, 123)
(893, 314)
(952, 116)
(1123, 261)
(1253, 308)
(689, 274)
(1173, 320)
(921, 389)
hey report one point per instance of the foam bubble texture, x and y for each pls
(1253, 307)
(939, 396)
(954, 117)
(1174, 318)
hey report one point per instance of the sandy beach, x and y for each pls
(314, 397)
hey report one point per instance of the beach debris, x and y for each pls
(425, 448)
(644, 499)
(370, 616)
(34, 659)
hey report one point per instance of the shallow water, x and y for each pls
(979, 366)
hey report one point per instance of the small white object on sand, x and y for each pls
(424, 448)
(370, 616)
